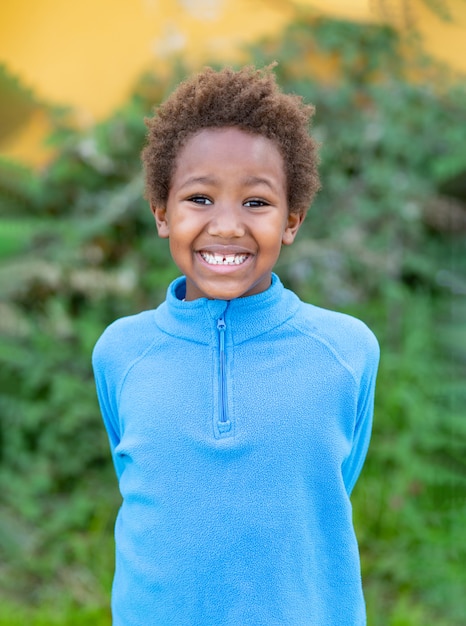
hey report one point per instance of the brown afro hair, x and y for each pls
(249, 99)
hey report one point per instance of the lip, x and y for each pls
(224, 249)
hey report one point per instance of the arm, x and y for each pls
(353, 464)
(107, 406)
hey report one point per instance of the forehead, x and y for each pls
(229, 151)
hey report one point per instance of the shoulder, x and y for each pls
(125, 339)
(339, 328)
(349, 339)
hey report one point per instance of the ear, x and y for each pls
(160, 215)
(294, 221)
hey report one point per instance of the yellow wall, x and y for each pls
(446, 41)
(89, 53)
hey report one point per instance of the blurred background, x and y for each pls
(384, 240)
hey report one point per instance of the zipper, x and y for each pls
(223, 423)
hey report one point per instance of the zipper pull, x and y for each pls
(221, 327)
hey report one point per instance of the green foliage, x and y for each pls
(17, 103)
(440, 8)
(78, 249)
(70, 615)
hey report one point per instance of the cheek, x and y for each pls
(273, 236)
(177, 245)
(184, 223)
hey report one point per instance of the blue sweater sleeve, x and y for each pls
(353, 464)
(108, 418)
(106, 394)
(357, 350)
(120, 345)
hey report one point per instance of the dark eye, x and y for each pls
(198, 199)
(255, 203)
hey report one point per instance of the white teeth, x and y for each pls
(223, 259)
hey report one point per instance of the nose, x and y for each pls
(226, 221)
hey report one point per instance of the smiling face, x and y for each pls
(227, 216)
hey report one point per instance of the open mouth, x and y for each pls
(223, 259)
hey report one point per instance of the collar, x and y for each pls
(245, 318)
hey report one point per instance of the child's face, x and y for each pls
(227, 213)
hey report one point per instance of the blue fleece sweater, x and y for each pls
(238, 430)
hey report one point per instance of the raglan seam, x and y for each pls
(129, 368)
(329, 347)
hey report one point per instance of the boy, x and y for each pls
(238, 417)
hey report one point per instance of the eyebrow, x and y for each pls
(249, 181)
(203, 180)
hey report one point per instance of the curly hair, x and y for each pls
(248, 99)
